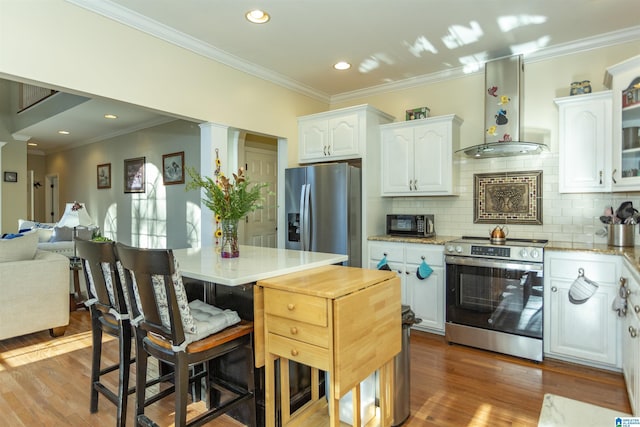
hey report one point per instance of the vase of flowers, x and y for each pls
(230, 200)
(229, 247)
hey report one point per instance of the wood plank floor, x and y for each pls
(45, 382)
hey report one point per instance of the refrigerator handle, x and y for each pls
(305, 231)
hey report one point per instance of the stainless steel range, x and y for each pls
(494, 295)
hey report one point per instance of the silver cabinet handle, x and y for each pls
(554, 289)
(600, 177)
(633, 332)
(613, 176)
(636, 308)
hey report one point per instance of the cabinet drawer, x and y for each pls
(433, 255)
(602, 269)
(300, 331)
(307, 354)
(304, 308)
(393, 251)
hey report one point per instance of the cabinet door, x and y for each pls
(343, 136)
(626, 113)
(587, 331)
(631, 357)
(313, 139)
(584, 135)
(432, 161)
(397, 161)
(426, 298)
(395, 259)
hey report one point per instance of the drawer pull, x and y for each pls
(294, 330)
(290, 307)
(636, 308)
(633, 332)
(294, 352)
(554, 289)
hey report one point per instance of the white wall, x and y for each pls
(163, 216)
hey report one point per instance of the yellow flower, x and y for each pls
(218, 232)
(218, 162)
(218, 218)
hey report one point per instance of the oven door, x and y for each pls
(494, 294)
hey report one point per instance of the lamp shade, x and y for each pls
(75, 214)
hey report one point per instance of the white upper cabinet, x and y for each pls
(417, 156)
(585, 140)
(337, 134)
(626, 114)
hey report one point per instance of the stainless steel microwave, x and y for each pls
(410, 225)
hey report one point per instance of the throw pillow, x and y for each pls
(44, 234)
(19, 249)
(62, 234)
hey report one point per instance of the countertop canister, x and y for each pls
(620, 234)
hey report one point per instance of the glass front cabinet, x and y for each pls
(624, 80)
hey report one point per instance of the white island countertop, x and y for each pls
(253, 264)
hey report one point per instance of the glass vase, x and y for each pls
(229, 247)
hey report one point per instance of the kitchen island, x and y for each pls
(229, 283)
(253, 264)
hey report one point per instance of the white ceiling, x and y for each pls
(390, 43)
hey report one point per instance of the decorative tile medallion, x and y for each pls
(508, 198)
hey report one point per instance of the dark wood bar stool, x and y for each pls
(184, 335)
(108, 306)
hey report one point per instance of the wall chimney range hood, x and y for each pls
(502, 112)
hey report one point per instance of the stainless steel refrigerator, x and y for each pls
(324, 209)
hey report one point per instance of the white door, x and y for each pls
(261, 225)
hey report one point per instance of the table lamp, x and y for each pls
(75, 215)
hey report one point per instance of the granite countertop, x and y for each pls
(631, 253)
(435, 240)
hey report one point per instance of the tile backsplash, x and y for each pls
(565, 217)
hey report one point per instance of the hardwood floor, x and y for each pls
(45, 382)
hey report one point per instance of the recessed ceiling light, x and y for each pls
(342, 65)
(63, 132)
(257, 16)
(110, 116)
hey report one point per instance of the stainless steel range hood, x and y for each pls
(502, 112)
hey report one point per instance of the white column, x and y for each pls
(212, 136)
(1, 145)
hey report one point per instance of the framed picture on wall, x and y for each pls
(134, 179)
(104, 175)
(173, 168)
(11, 177)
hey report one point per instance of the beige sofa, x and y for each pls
(35, 288)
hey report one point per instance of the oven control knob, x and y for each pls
(449, 248)
(535, 253)
(459, 249)
(524, 253)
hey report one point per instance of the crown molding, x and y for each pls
(590, 43)
(147, 25)
(140, 22)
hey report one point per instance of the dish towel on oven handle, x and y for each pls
(424, 270)
(382, 265)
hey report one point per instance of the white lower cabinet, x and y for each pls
(631, 338)
(425, 296)
(587, 333)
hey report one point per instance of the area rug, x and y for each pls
(558, 411)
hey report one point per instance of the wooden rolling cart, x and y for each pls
(342, 320)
